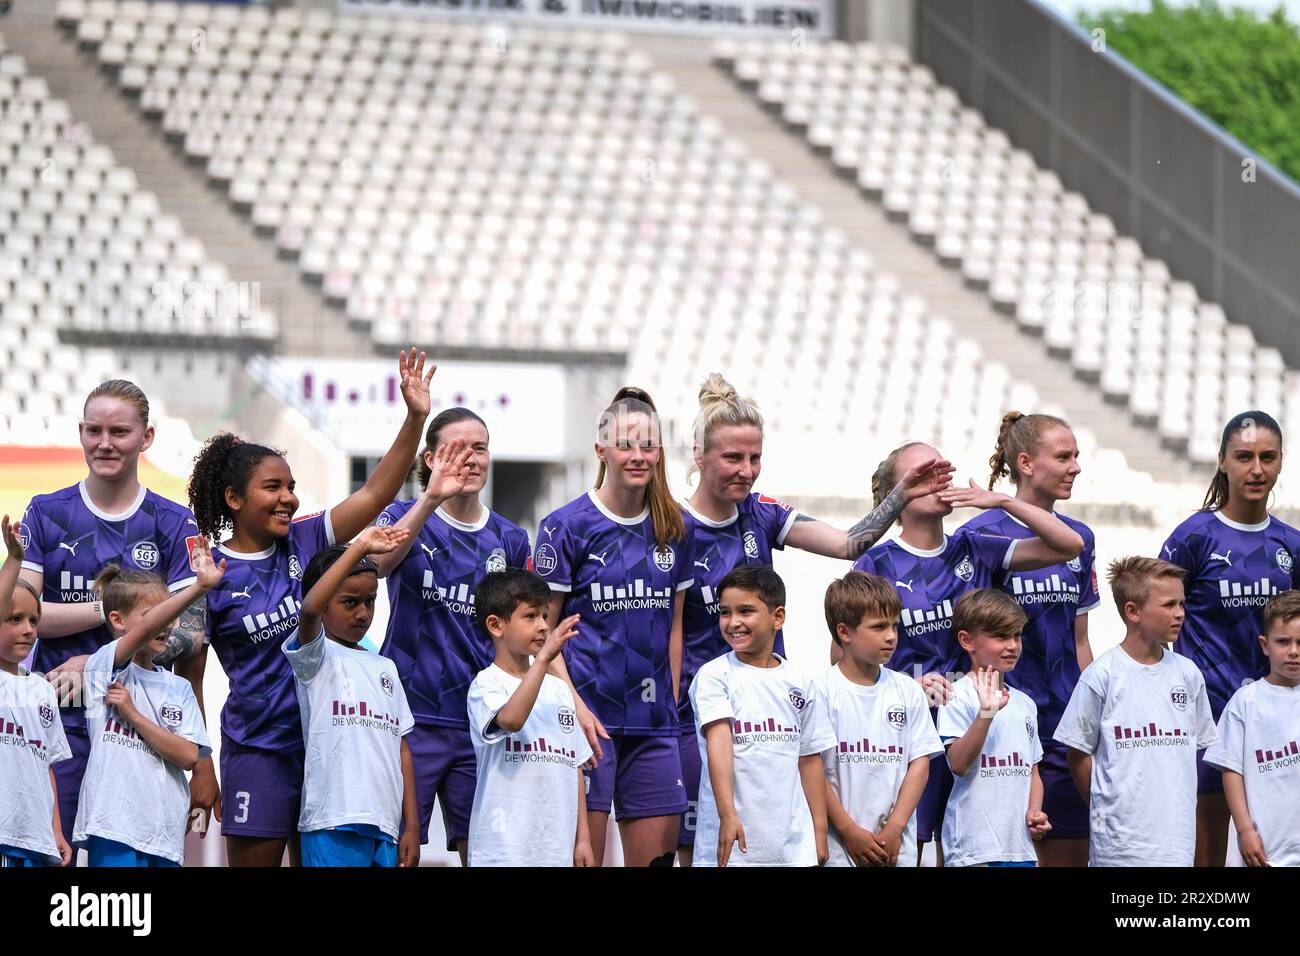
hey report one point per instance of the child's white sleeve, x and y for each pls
(1206, 733)
(1229, 751)
(485, 699)
(305, 659)
(191, 725)
(815, 733)
(709, 696)
(922, 737)
(56, 740)
(1080, 725)
(956, 716)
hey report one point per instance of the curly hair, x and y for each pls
(225, 461)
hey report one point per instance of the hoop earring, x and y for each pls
(1272, 494)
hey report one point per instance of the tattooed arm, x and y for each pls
(809, 534)
(186, 635)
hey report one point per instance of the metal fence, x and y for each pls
(1220, 217)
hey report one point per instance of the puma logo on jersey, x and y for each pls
(598, 557)
(1226, 557)
(703, 564)
(244, 593)
(1169, 552)
(908, 585)
(428, 550)
(69, 547)
(547, 530)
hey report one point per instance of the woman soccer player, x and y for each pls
(1237, 556)
(250, 489)
(72, 534)
(1041, 457)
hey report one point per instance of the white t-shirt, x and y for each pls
(525, 809)
(1143, 724)
(776, 718)
(1258, 734)
(31, 738)
(985, 818)
(354, 716)
(879, 730)
(130, 793)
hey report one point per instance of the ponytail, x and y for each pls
(884, 479)
(225, 461)
(665, 514)
(1016, 435)
(120, 589)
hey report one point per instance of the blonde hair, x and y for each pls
(120, 388)
(1130, 578)
(120, 589)
(854, 596)
(988, 611)
(1018, 434)
(665, 514)
(884, 479)
(722, 407)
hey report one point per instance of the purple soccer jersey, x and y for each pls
(756, 530)
(69, 541)
(1052, 598)
(250, 614)
(929, 583)
(433, 636)
(623, 586)
(1232, 571)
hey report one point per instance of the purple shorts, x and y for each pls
(68, 774)
(1065, 809)
(1208, 779)
(692, 767)
(261, 791)
(934, 798)
(638, 777)
(445, 768)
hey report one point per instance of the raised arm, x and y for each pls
(447, 478)
(173, 748)
(1055, 541)
(514, 714)
(965, 750)
(207, 574)
(9, 570)
(809, 534)
(591, 726)
(372, 540)
(363, 506)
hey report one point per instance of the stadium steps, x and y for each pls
(308, 325)
(890, 244)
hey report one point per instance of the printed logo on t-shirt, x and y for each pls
(25, 537)
(864, 751)
(384, 519)
(965, 570)
(797, 698)
(171, 714)
(519, 750)
(1074, 564)
(1029, 728)
(751, 545)
(1284, 559)
(46, 713)
(1267, 761)
(12, 734)
(1050, 590)
(1134, 738)
(124, 735)
(1179, 697)
(665, 558)
(345, 713)
(567, 719)
(145, 555)
(1012, 765)
(764, 730)
(295, 568)
(386, 683)
(897, 717)
(496, 560)
(545, 560)
(1252, 594)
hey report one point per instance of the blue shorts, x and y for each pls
(692, 767)
(260, 791)
(1208, 779)
(1065, 809)
(934, 798)
(14, 857)
(67, 775)
(102, 852)
(638, 777)
(347, 848)
(1001, 865)
(445, 767)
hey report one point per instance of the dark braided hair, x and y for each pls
(225, 461)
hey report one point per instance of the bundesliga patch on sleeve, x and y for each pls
(314, 514)
(190, 542)
(766, 500)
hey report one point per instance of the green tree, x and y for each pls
(1239, 68)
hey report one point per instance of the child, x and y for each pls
(359, 784)
(144, 723)
(530, 806)
(881, 720)
(991, 733)
(762, 732)
(1258, 730)
(1134, 724)
(31, 734)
